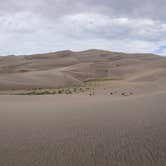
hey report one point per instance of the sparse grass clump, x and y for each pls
(127, 93)
(65, 90)
(39, 92)
(60, 91)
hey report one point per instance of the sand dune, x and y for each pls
(118, 121)
(81, 130)
(67, 68)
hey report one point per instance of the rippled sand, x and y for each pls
(83, 131)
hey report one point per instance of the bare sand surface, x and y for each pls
(68, 68)
(81, 130)
(113, 113)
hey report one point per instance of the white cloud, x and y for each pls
(28, 32)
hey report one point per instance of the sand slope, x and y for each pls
(67, 68)
(108, 128)
(81, 130)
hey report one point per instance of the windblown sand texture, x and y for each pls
(122, 122)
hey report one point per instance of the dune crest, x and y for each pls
(68, 68)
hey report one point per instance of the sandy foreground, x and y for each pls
(81, 130)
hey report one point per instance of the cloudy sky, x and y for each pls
(37, 26)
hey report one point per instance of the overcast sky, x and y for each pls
(37, 26)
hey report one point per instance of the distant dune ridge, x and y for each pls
(119, 121)
(68, 68)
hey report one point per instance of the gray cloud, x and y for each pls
(48, 25)
(154, 9)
